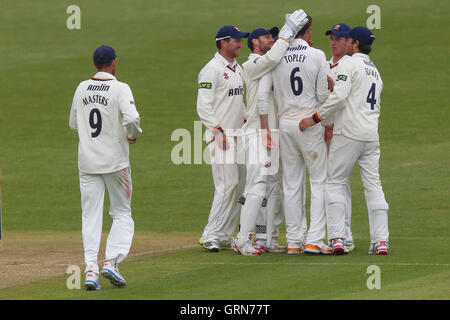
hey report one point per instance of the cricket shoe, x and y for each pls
(247, 249)
(379, 248)
(295, 250)
(211, 246)
(91, 282)
(111, 272)
(260, 244)
(349, 245)
(338, 246)
(275, 246)
(314, 249)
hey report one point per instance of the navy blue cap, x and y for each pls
(104, 54)
(340, 29)
(230, 32)
(259, 32)
(362, 34)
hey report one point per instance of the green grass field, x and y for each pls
(162, 45)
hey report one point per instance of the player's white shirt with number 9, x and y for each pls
(102, 107)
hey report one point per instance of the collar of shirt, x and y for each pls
(104, 76)
(361, 55)
(298, 41)
(225, 62)
(335, 63)
(254, 55)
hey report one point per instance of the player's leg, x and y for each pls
(348, 243)
(293, 167)
(92, 191)
(223, 208)
(343, 154)
(314, 151)
(119, 185)
(375, 200)
(254, 196)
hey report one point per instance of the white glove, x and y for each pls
(294, 23)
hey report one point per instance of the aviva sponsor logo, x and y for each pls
(205, 85)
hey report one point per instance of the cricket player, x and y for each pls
(220, 106)
(300, 86)
(339, 34)
(104, 114)
(355, 101)
(261, 187)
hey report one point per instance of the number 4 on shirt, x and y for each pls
(371, 97)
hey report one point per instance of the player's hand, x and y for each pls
(306, 123)
(328, 134)
(131, 141)
(294, 23)
(267, 140)
(221, 140)
(330, 83)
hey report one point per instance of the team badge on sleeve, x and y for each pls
(205, 85)
(341, 77)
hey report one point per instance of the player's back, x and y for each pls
(359, 119)
(300, 83)
(97, 104)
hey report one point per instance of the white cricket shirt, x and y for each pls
(355, 99)
(299, 82)
(104, 114)
(220, 99)
(254, 69)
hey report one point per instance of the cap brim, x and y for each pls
(338, 33)
(240, 35)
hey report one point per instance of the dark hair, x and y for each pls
(305, 27)
(363, 47)
(105, 64)
(219, 43)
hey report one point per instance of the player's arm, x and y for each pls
(322, 91)
(335, 101)
(266, 63)
(73, 113)
(207, 83)
(264, 105)
(131, 120)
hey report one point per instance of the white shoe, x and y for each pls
(349, 245)
(275, 246)
(247, 249)
(91, 282)
(318, 249)
(338, 246)
(261, 244)
(379, 248)
(211, 246)
(296, 249)
(111, 272)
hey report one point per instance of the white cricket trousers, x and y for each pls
(299, 150)
(228, 176)
(261, 183)
(344, 153)
(92, 187)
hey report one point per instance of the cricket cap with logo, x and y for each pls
(230, 32)
(362, 34)
(259, 32)
(340, 30)
(104, 54)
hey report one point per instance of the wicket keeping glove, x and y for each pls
(294, 23)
